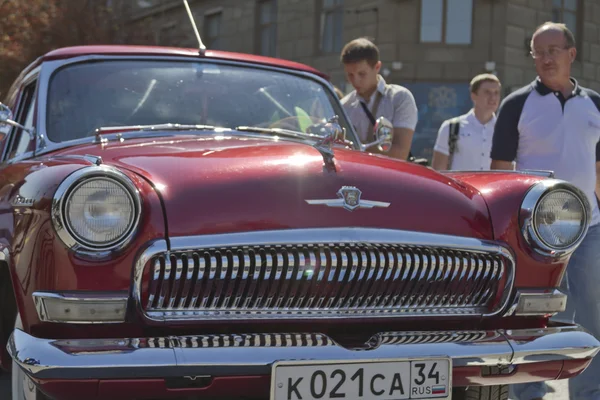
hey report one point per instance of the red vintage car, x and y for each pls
(179, 223)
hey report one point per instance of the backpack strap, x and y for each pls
(453, 138)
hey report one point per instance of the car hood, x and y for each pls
(213, 184)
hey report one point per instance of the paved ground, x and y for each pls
(561, 391)
(560, 387)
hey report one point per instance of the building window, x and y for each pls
(446, 21)
(565, 11)
(212, 30)
(267, 28)
(332, 25)
(165, 35)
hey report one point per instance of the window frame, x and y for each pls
(442, 41)
(206, 38)
(321, 15)
(579, 20)
(165, 34)
(260, 27)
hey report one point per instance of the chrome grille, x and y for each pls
(247, 340)
(324, 280)
(278, 340)
(430, 337)
(312, 339)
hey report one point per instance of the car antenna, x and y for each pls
(201, 46)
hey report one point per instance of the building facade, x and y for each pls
(433, 47)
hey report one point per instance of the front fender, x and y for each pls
(504, 192)
(42, 262)
(8, 307)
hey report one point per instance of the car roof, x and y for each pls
(77, 51)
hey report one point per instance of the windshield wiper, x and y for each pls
(105, 130)
(280, 132)
(108, 130)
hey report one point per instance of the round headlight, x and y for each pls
(555, 217)
(559, 219)
(99, 211)
(96, 208)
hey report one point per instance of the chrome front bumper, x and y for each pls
(253, 354)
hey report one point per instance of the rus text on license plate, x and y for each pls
(365, 380)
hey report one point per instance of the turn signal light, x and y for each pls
(80, 308)
(541, 303)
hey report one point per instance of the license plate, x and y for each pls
(366, 380)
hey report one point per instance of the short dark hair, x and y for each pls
(358, 50)
(479, 79)
(569, 37)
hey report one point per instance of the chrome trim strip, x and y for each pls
(119, 300)
(230, 355)
(295, 237)
(61, 225)
(536, 172)
(45, 145)
(92, 159)
(529, 206)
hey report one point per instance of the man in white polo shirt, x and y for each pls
(554, 124)
(465, 142)
(372, 98)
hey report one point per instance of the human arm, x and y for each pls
(401, 144)
(597, 178)
(440, 161)
(506, 132)
(404, 123)
(595, 97)
(441, 151)
(598, 169)
(502, 165)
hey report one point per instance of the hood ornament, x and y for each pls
(349, 199)
(331, 132)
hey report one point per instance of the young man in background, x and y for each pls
(465, 142)
(372, 98)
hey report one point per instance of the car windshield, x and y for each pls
(84, 97)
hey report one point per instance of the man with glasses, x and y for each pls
(554, 124)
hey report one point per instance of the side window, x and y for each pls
(21, 141)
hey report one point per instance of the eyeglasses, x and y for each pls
(551, 52)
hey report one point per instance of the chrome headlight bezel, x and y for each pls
(529, 207)
(66, 188)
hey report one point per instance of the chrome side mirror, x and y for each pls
(6, 118)
(5, 113)
(384, 135)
